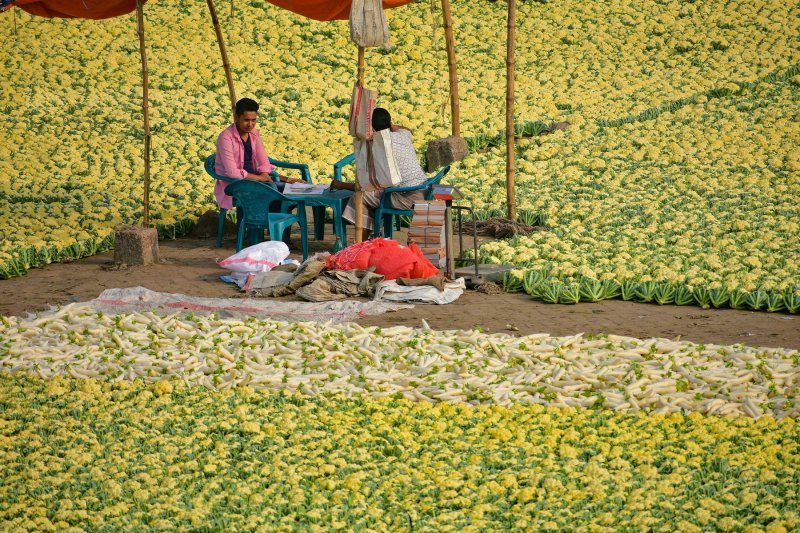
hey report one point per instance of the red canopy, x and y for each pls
(102, 9)
(83, 9)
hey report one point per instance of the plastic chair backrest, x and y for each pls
(337, 167)
(209, 166)
(254, 197)
(434, 180)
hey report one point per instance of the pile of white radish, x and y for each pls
(610, 372)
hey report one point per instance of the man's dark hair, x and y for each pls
(246, 104)
(381, 119)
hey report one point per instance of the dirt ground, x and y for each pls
(188, 267)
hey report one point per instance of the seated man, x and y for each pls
(240, 152)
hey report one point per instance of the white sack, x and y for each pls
(261, 257)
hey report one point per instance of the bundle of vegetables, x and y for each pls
(669, 213)
(604, 372)
(542, 286)
(90, 454)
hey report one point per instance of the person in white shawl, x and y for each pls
(411, 174)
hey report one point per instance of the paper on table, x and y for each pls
(305, 188)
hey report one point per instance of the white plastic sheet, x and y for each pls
(142, 299)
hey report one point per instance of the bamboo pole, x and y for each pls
(455, 115)
(510, 192)
(361, 64)
(358, 197)
(145, 111)
(224, 53)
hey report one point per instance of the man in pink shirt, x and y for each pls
(241, 154)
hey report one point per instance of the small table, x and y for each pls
(336, 200)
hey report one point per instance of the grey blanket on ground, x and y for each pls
(267, 280)
(309, 271)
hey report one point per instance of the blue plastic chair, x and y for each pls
(305, 173)
(349, 159)
(386, 212)
(254, 198)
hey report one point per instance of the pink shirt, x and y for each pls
(230, 160)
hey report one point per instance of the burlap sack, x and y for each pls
(368, 26)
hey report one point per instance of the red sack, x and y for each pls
(389, 258)
(354, 257)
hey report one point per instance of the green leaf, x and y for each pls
(646, 291)
(591, 290)
(551, 291)
(628, 289)
(737, 299)
(702, 297)
(611, 289)
(570, 294)
(532, 282)
(775, 302)
(511, 283)
(664, 293)
(756, 300)
(792, 301)
(719, 297)
(684, 295)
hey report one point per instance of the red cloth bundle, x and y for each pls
(389, 258)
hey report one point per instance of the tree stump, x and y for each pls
(136, 245)
(441, 152)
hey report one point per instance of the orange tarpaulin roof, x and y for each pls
(82, 9)
(102, 9)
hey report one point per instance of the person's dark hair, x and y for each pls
(246, 104)
(381, 119)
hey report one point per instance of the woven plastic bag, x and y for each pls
(261, 257)
(365, 169)
(362, 105)
(368, 26)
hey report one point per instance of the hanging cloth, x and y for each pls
(368, 26)
(327, 9)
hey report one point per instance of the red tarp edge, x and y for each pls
(82, 9)
(103, 9)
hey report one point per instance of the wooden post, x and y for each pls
(510, 192)
(358, 197)
(145, 111)
(225, 65)
(455, 116)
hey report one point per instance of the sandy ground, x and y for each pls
(189, 267)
